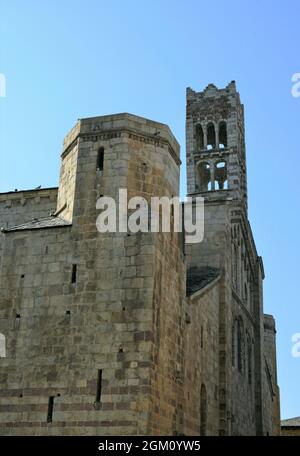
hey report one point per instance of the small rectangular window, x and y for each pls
(74, 273)
(99, 386)
(50, 409)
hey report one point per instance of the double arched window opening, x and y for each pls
(212, 176)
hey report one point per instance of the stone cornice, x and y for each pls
(116, 133)
(32, 193)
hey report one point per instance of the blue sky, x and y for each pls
(69, 59)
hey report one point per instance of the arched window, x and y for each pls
(204, 176)
(235, 267)
(246, 294)
(211, 136)
(199, 137)
(222, 135)
(100, 159)
(203, 410)
(240, 345)
(249, 357)
(2, 346)
(251, 299)
(221, 175)
(234, 343)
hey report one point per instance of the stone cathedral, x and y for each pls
(137, 334)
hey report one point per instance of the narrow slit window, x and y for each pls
(74, 273)
(240, 346)
(100, 159)
(233, 345)
(2, 346)
(249, 362)
(246, 293)
(99, 386)
(17, 321)
(50, 409)
(203, 410)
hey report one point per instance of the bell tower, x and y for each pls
(215, 144)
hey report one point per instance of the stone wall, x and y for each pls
(93, 320)
(202, 362)
(67, 182)
(271, 422)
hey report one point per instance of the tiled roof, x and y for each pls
(291, 422)
(198, 277)
(35, 224)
